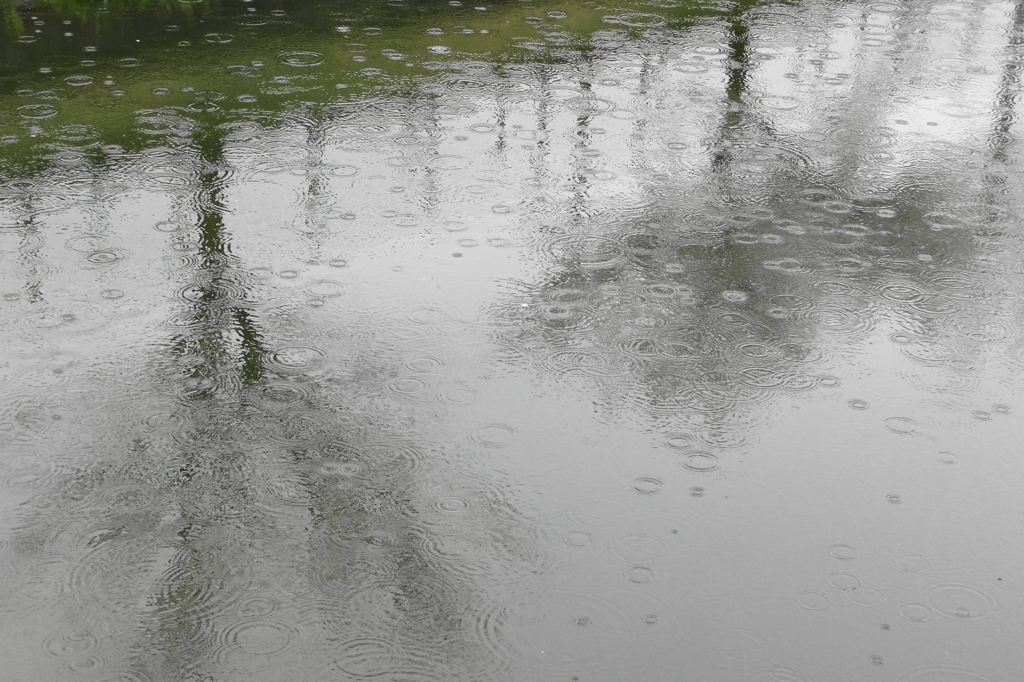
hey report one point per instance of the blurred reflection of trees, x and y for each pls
(743, 269)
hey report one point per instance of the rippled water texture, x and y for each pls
(415, 340)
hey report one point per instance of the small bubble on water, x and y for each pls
(913, 563)
(647, 485)
(578, 538)
(901, 425)
(858, 404)
(813, 601)
(700, 461)
(339, 469)
(452, 504)
(678, 441)
(641, 575)
(103, 257)
(876, 660)
(696, 492)
(982, 415)
(946, 457)
(914, 612)
(492, 435)
(894, 499)
(843, 582)
(650, 619)
(842, 552)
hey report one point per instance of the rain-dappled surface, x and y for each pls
(523, 341)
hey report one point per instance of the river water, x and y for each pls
(529, 341)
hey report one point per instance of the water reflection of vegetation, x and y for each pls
(251, 67)
(220, 360)
(731, 280)
(96, 10)
(218, 321)
(218, 311)
(222, 368)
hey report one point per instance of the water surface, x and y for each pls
(524, 341)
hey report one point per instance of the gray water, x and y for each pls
(532, 341)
